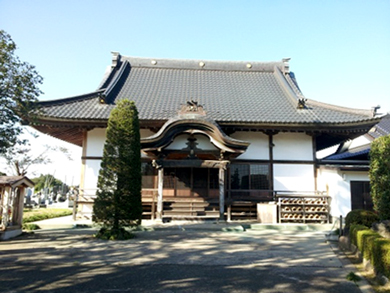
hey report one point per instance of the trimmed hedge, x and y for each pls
(373, 247)
(361, 217)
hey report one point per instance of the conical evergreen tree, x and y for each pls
(118, 201)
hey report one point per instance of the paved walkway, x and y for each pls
(189, 257)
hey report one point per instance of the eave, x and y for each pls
(15, 181)
(71, 130)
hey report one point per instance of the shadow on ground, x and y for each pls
(172, 261)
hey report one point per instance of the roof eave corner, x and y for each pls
(286, 66)
(116, 59)
(375, 114)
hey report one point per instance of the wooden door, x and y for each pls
(183, 182)
(191, 182)
(360, 195)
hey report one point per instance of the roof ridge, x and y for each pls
(116, 79)
(203, 64)
(293, 84)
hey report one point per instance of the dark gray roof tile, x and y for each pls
(229, 91)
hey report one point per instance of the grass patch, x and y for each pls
(353, 278)
(33, 215)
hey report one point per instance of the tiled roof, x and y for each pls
(382, 128)
(351, 153)
(231, 92)
(15, 181)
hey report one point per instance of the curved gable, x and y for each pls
(228, 146)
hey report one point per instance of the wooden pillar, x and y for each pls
(221, 192)
(82, 192)
(3, 207)
(17, 218)
(83, 161)
(271, 161)
(315, 166)
(6, 206)
(160, 193)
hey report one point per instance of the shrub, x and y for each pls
(380, 176)
(114, 234)
(372, 247)
(361, 217)
(30, 227)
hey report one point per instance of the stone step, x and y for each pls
(191, 213)
(186, 204)
(189, 199)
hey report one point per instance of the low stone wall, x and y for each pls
(383, 228)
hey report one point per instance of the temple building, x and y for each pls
(218, 138)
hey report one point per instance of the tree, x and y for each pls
(47, 181)
(118, 203)
(380, 176)
(19, 158)
(47, 185)
(18, 92)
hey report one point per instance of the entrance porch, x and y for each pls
(204, 190)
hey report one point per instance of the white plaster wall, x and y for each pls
(355, 176)
(95, 142)
(180, 142)
(338, 189)
(294, 177)
(97, 137)
(292, 146)
(338, 185)
(92, 168)
(258, 148)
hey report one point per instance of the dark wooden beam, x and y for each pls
(190, 163)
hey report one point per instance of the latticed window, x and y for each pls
(249, 176)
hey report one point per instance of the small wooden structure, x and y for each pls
(12, 192)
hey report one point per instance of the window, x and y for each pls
(249, 176)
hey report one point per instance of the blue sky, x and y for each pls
(340, 50)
